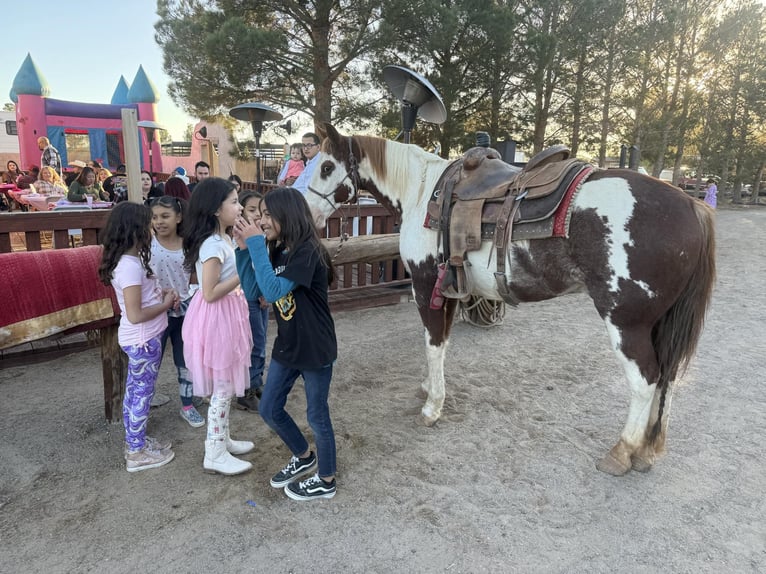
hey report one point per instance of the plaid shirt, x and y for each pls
(52, 158)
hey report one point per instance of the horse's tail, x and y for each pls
(676, 333)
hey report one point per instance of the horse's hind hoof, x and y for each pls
(641, 465)
(611, 465)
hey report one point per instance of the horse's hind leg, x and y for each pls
(640, 368)
(643, 459)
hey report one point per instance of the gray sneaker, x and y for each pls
(159, 399)
(192, 417)
(151, 443)
(146, 458)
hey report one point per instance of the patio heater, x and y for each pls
(256, 114)
(149, 128)
(418, 98)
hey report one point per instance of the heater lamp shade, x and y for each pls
(413, 89)
(254, 112)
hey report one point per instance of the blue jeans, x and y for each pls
(272, 408)
(173, 332)
(259, 322)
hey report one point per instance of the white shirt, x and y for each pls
(222, 248)
(168, 266)
(304, 179)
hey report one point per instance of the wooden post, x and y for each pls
(132, 151)
(114, 365)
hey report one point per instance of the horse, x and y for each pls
(643, 251)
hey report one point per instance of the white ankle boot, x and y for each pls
(234, 446)
(217, 456)
(218, 459)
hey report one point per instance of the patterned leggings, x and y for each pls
(143, 368)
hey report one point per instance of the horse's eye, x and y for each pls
(327, 168)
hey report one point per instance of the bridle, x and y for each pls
(352, 174)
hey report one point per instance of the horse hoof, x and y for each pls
(611, 465)
(429, 419)
(641, 464)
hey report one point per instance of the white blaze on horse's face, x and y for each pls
(328, 175)
(614, 198)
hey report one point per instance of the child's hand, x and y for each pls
(238, 239)
(264, 304)
(170, 298)
(244, 228)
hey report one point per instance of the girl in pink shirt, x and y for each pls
(295, 165)
(143, 304)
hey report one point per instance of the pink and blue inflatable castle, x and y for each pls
(39, 115)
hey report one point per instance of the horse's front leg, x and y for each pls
(437, 324)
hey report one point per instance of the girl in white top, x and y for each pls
(143, 305)
(216, 330)
(168, 263)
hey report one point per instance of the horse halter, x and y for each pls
(352, 174)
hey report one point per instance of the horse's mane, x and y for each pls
(396, 164)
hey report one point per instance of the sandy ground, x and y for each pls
(505, 482)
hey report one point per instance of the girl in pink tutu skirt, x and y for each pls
(216, 330)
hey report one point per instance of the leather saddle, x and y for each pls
(480, 197)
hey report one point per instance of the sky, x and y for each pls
(82, 47)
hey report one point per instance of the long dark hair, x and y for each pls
(129, 224)
(289, 209)
(85, 171)
(201, 220)
(180, 206)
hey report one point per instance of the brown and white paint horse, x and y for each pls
(643, 250)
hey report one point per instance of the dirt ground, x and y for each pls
(505, 482)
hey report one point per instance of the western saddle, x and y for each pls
(479, 197)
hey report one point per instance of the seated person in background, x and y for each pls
(86, 185)
(103, 175)
(311, 150)
(50, 183)
(117, 185)
(148, 190)
(293, 167)
(12, 172)
(71, 175)
(24, 181)
(175, 187)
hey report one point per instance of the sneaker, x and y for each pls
(159, 399)
(147, 458)
(249, 402)
(192, 417)
(295, 468)
(311, 488)
(151, 443)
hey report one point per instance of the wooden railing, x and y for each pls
(50, 229)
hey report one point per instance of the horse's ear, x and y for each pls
(322, 130)
(330, 132)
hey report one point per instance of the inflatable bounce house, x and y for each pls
(79, 130)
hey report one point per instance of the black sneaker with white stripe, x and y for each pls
(295, 468)
(310, 488)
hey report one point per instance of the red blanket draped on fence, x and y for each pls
(50, 292)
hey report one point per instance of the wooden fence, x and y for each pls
(33, 231)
